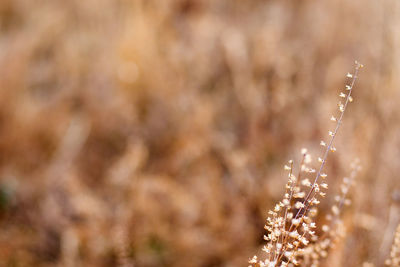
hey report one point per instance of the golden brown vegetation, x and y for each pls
(394, 259)
(152, 133)
(292, 237)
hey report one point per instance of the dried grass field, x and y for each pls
(154, 133)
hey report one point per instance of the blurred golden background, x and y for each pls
(154, 133)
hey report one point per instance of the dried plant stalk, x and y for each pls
(394, 260)
(290, 226)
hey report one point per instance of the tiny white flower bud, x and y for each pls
(299, 205)
(294, 234)
(315, 201)
(304, 241)
(299, 195)
(324, 185)
(325, 228)
(311, 170)
(306, 182)
(335, 210)
(253, 260)
(307, 158)
(316, 189)
(296, 222)
(344, 189)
